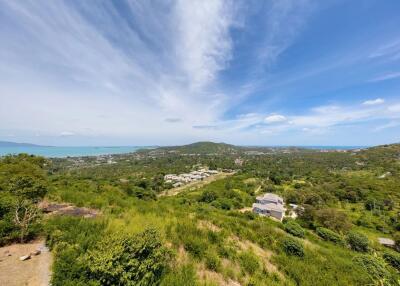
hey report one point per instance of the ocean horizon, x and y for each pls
(80, 151)
(75, 151)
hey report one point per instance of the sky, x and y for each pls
(284, 72)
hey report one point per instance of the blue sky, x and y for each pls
(287, 72)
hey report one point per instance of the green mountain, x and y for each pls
(15, 144)
(202, 148)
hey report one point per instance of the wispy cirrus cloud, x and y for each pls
(386, 76)
(374, 101)
(105, 64)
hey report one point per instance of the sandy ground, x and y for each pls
(33, 272)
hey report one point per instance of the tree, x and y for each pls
(25, 214)
(332, 219)
(28, 191)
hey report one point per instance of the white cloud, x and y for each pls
(204, 43)
(390, 51)
(67, 133)
(386, 77)
(374, 101)
(275, 118)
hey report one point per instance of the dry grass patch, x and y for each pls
(207, 275)
(207, 225)
(263, 254)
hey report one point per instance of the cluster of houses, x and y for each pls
(182, 179)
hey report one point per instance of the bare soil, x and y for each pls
(35, 271)
(67, 209)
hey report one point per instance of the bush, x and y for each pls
(249, 262)
(293, 247)
(212, 261)
(357, 241)
(222, 203)
(196, 246)
(375, 268)
(294, 229)
(396, 238)
(393, 259)
(120, 259)
(329, 235)
(208, 196)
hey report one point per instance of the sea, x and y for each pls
(62, 152)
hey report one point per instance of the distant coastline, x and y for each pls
(63, 152)
(80, 151)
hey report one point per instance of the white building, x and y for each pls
(269, 205)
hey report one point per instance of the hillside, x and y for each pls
(208, 235)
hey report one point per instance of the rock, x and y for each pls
(36, 252)
(25, 257)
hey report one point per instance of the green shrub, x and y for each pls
(293, 247)
(121, 259)
(212, 261)
(393, 259)
(250, 215)
(214, 237)
(329, 235)
(208, 196)
(375, 268)
(357, 241)
(294, 229)
(249, 262)
(195, 245)
(396, 238)
(222, 203)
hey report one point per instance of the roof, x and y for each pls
(270, 197)
(269, 207)
(386, 241)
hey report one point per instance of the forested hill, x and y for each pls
(202, 148)
(212, 148)
(15, 144)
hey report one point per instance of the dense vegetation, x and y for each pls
(206, 235)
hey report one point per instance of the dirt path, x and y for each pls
(33, 272)
(194, 185)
